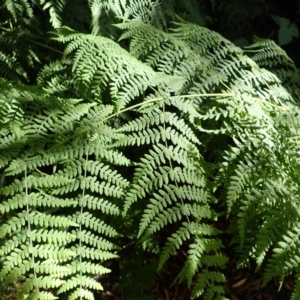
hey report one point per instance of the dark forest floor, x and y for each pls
(242, 284)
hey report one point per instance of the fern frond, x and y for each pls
(113, 68)
(55, 10)
(296, 291)
(270, 56)
(209, 280)
(175, 241)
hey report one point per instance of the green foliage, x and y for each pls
(146, 131)
(270, 56)
(41, 244)
(286, 30)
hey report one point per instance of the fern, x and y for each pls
(98, 75)
(145, 145)
(55, 10)
(253, 114)
(36, 239)
(268, 55)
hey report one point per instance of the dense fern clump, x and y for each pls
(147, 130)
(51, 233)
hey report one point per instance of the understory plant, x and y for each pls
(120, 126)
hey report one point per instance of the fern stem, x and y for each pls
(81, 213)
(87, 128)
(32, 41)
(171, 166)
(29, 231)
(269, 103)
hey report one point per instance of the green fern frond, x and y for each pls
(114, 68)
(175, 241)
(270, 56)
(296, 291)
(36, 238)
(78, 281)
(156, 13)
(55, 10)
(210, 281)
(286, 255)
